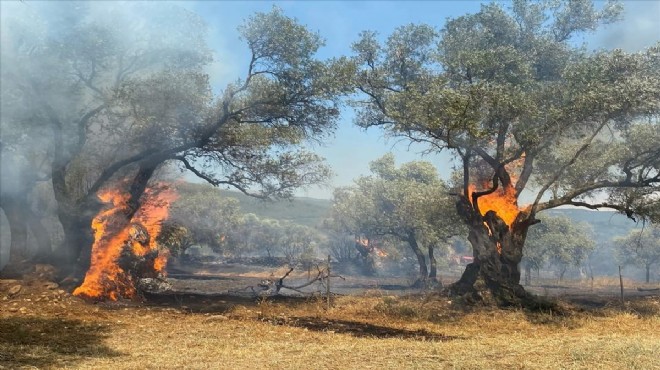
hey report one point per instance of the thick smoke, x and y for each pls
(59, 61)
(638, 30)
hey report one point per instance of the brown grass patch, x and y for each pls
(367, 332)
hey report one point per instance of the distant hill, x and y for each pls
(606, 224)
(304, 211)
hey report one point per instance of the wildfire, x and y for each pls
(114, 237)
(502, 201)
(369, 246)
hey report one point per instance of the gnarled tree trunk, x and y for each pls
(76, 220)
(497, 253)
(21, 220)
(528, 274)
(41, 236)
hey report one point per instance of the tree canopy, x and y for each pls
(507, 87)
(410, 203)
(522, 109)
(557, 240)
(640, 248)
(111, 96)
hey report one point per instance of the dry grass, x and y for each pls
(54, 330)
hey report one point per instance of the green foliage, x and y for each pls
(109, 88)
(404, 203)
(558, 240)
(298, 210)
(201, 216)
(640, 247)
(508, 93)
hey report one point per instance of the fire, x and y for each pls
(502, 201)
(106, 279)
(370, 246)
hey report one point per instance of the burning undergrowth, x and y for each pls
(125, 248)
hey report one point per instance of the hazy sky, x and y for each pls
(340, 22)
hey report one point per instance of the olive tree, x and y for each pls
(640, 248)
(202, 216)
(522, 109)
(557, 240)
(118, 97)
(410, 203)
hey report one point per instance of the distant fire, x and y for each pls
(114, 237)
(370, 247)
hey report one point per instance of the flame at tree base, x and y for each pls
(124, 249)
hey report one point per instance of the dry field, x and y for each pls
(42, 326)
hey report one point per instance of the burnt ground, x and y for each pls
(214, 287)
(237, 279)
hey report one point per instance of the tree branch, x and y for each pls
(563, 168)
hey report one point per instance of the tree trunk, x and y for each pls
(648, 273)
(41, 235)
(497, 253)
(528, 274)
(433, 272)
(562, 271)
(78, 240)
(17, 218)
(77, 219)
(423, 270)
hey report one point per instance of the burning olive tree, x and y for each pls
(117, 96)
(410, 203)
(71, 76)
(507, 91)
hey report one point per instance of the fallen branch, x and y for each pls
(271, 288)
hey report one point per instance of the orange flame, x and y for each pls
(105, 278)
(362, 241)
(380, 252)
(502, 201)
(370, 246)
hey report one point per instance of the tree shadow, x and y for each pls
(41, 342)
(360, 329)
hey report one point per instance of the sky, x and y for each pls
(340, 22)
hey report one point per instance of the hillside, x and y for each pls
(304, 211)
(606, 225)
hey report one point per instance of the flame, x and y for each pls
(380, 252)
(105, 278)
(370, 246)
(502, 201)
